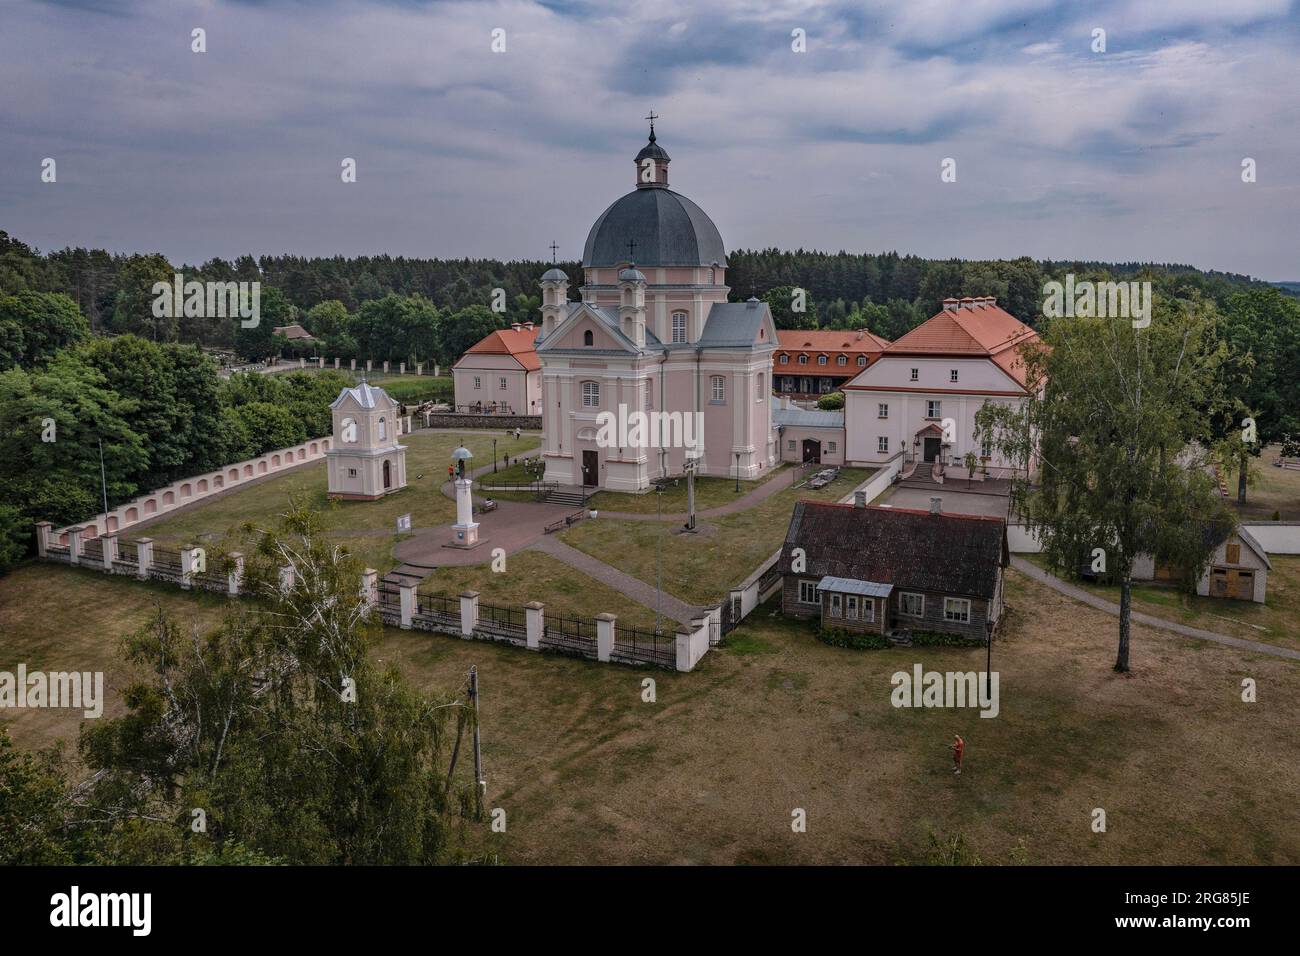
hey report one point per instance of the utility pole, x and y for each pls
(480, 785)
(103, 481)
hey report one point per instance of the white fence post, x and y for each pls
(468, 613)
(143, 557)
(683, 639)
(401, 368)
(369, 589)
(406, 592)
(535, 613)
(385, 366)
(353, 366)
(419, 368)
(187, 565)
(43, 538)
(110, 551)
(336, 364)
(74, 545)
(235, 579)
(605, 635)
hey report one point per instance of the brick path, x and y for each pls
(635, 588)
(1079, 594)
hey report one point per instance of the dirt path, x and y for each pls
(1079, 594)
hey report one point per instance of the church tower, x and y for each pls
(652, 163)
(365, 461)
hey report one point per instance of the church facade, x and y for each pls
(653, 366)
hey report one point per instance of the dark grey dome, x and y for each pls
(669, 230)
(653, 150)
(554, 275)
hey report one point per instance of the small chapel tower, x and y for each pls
(365, 461)
(652, 162)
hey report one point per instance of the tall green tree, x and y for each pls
(1109, 428)
(46, 322)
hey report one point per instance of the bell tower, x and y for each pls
(652, 162)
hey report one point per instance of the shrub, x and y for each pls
(942, 639)
(855, 640)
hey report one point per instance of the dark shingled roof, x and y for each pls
(953, 554)
(668, 228)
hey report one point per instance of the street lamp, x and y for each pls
(988, 659)
(737, 472)
(494, 456)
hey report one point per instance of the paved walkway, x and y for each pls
(634, 588)
(1079, 594)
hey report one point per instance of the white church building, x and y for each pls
(653, 335)
(366, 462)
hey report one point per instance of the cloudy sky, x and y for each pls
(1134, 153)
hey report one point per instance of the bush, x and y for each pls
(941, 639)
(832, 402)
(854, 640)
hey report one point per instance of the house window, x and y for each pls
(789, 446)
(933, 409)
(835, 606)
(842, 360)
(590, 394)
(830, 447)
(383, 429)
(952, 375)
(784, 359)
(913, 605)
(862, 360)
(478, 382)
(588, 338)
(679, 326)
(882, 410)
(986, 449)
(821, 360)
(914, 374)
(882, 444)
(1232, 554)
(719, 385)
(869, 611)
(851, 606)
(808, 593)
(956, 610)
(803, 360)
(503, 383)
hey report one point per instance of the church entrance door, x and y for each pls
(388, 475)
(812, 450)
(590, 469)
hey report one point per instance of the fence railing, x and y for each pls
(569, 635)
(632, 646)
(565, 522)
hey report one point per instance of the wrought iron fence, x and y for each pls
(644, 647)
(565, 522)
(165, 565)
(569, 635)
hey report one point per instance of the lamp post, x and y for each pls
(737, 472)
(988, 659)
(494, 456)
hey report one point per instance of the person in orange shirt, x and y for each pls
(958, 748)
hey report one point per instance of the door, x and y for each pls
(590, 468)
(1241, 585)
(931, 449)
(812, 450)
(388, 474)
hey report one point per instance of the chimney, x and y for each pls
(516, 327)
(859, 499)
(950, 305)
(967, 302)
(936, 506)
(528, 326)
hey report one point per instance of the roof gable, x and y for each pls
(739, 324)
(602, 323)
(364, 396)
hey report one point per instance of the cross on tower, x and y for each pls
(652, 117)
(631, 250)
(553, 248)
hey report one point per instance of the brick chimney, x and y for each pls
(950, 305)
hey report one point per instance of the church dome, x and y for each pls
(667, 229)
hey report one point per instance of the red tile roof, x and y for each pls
(832, 344)
(982, 329)
(517, 343)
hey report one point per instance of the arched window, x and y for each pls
(591, 394)
(842, 360)
(588, 338)
(821, 360)
(762, 388)
(383, 428)
(862, 360)
(803, 360)
(784, 359)
(712, 281)
(679, 326)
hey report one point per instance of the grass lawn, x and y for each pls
(700, 568)
(428, 454)
(1275, 489)
(1275, 622)
(709, 493)
(710, 772)
(413, 389)
(533, 576)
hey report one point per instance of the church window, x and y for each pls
(933, 409)
(679, 326)
(503, 383)
(719, 388)
(952, 375)
(478, 382)
(590, 394)
(383, 429)
(711, 278)
(761, 389)
(882, 410)
(915, 372)
(882, 444)
(352, 472)
(588, 338)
